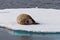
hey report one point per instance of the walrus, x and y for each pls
(25, 19)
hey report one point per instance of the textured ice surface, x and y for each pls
(49, 19)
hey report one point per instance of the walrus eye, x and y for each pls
(27, 21)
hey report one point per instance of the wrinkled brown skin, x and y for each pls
(25, 19)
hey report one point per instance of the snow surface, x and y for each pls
(49, 19)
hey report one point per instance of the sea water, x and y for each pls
(54, 36)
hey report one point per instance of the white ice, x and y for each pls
(49, 19)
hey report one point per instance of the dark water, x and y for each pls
(54, 4)
(4, 35)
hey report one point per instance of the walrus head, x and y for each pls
(25, 19)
